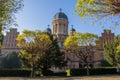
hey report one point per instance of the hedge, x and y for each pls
(93, 71)
(74, 72)
(26, 73)
(102, 71)
(14, 73)
(59, 74)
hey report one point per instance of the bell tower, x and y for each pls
(72, 30)
(60, 27)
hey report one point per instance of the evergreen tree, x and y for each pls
(53, 57)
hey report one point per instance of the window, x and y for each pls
(59, 44)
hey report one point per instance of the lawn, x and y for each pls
(106, 77)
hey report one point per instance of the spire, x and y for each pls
(72, 26)
(48, 29)
(72, 29)
(60, 10)
(48, 26)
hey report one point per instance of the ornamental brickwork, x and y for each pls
(9, 42)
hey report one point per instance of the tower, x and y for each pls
(106, 36)
(60, 27)
(72, 30)
(9, 42)
(48, 30)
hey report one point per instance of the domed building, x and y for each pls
(72, 30)
(60, 27)
(48, 30)
(60, 31)
(60, 15)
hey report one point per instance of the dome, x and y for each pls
(48, 30)
(60, 15)
(72, 29)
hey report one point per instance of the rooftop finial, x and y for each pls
(72, 26)
(48, 26)
(72, 29)
(60, 10)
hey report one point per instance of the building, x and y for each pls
(60, 27)
(60, 31)
(106, 36)
(9, 42)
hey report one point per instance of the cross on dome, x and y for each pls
(48, 26)
(72, 26)
(60, 10)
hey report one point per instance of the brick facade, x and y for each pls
(9, 42)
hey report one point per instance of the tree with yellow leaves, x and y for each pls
(82, 46)
(112, 52)
(34, 45)
(102, 7)
(107, 10)
(8, 8)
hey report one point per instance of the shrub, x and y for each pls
(14, 73)
(74, 72)
(102, 71)
(104, 63)
(59, 74)
(10, 61)
(47, 73)
(78, 72)
(93, 71)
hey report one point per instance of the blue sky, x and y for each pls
(38, 14)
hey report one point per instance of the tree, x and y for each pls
(11, 61)
(53, 57)
(1, 41)
(82, 45)
(99, 11)
(101, 7)
(105, 63)
(111, 51)
(8, 8)
(34, 45)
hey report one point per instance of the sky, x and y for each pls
(38, 14)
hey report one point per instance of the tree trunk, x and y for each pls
(88, 73)
(117, 69)
(0, 29)
(1, 36)
(45, 71)
(32, 71)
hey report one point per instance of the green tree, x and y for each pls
(111, 52)
(99, 7)
(53, 57)
(82, 45)
(99, 11)
(105, 63)
(12, 60)
(8, 8)
(34, 45)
